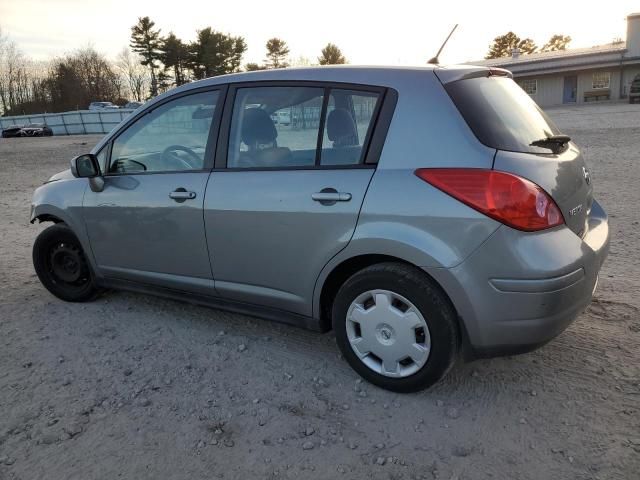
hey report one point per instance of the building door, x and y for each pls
(570, 91)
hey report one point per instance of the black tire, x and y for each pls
(427, 296)
(61, 265)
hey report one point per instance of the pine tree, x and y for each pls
(215, 53)
(146, 42)
(277, 51)
(556, 42)
(331, 55)
(252, 67)
(175, 57)
(504, 45)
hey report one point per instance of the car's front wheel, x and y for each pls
(396, 327)
(61, 264)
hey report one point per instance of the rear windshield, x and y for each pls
(501, 114)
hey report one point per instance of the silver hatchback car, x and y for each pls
(423, 214)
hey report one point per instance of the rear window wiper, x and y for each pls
(552, 142)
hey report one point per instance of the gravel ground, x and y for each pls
(137, 387)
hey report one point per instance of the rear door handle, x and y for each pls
(329, 196)
(181, 194)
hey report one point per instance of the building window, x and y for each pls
(601, 80)
(530, 86)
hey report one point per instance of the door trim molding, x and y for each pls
(203, 285)
(259, 311)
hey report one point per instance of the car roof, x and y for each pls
(383, 76)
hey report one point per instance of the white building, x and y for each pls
(579, 75)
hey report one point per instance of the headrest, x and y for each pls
(257, 127)
(341, 129)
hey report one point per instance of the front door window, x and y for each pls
(171, 137)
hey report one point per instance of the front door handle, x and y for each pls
(329, 196)
(181, 194)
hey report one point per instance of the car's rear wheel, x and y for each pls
(396, 327)
(61, 265)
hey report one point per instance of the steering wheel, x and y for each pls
(169, 156)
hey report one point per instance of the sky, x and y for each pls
(369, 32)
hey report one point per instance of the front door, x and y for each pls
(146, 224)
(570, 92)
(289, 198)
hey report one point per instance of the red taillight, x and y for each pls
(505, 197)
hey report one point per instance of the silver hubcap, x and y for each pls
(388, 333)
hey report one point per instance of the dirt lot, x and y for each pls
(131, 386)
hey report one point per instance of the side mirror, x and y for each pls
(85, 166)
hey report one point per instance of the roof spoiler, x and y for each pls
(465, 72)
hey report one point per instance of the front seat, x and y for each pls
(259, 134)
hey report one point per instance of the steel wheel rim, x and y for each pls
(388, 333)
(66, 265)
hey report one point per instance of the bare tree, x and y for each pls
(136, 75)
(79, 78)
(3, 45)
(14, 76)
(301, 61)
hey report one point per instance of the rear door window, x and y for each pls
(275, 127)
(300, 126)
(501, 114)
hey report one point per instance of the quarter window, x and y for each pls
(349, 115)
(283, 127)
(171, 137)
(601, 80)
(530, 86)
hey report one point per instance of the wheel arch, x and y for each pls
(340, 273)
(46, 212)
(46, 217)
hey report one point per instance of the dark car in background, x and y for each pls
(29, 130)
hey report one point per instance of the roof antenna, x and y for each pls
(434, 60)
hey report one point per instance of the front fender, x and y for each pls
(62, 200)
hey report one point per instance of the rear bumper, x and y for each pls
(520, 290)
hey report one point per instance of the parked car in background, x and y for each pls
(426, 214)
(102, 106)
(282, 117)
(634, 91)
(29, 130)
(133, 105)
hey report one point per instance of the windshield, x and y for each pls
(501, 114)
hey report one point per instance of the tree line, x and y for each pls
(504, 45)
(152, 64)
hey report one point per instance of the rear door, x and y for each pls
(287, 197)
